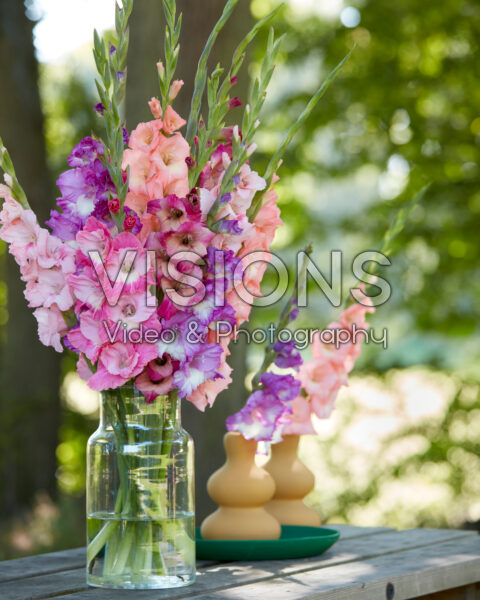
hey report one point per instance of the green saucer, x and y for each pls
(295, 542)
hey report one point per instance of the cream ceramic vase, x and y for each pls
(293, 481)
(241, 489)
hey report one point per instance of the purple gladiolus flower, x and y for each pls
(85, 152)
(126, 136)
(202, 366)
(99, 108)
(230, 226)
(259, 418)
(266, 410)
(186, 336)
(63, 227)
(85, 191)
(225, 198)
(285, 387)
(287, 355)
(112, 49)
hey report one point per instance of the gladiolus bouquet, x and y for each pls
(149, 245)
(146, 257)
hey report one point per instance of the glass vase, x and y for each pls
(140, 495)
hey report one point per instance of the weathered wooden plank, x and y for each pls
(470, 592)
(53, 562)
(401, 576)
(221, 577)
(71, 559)
(351, 531)
(44, 586)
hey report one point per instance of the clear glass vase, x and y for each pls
(140, 495)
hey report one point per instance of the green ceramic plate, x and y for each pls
(295, 542)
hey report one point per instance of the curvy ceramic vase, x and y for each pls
(241, 489)
(293, 481)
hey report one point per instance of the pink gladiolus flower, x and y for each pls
(206, 393)
(11, 209)
(156, 108)
(119, 362)
(126, 268)
(170, 156)
(321, 379)
(20, 232)
(300, 421)
(249, 183)
(172, 212)
(139, 163)
(172, 121)
(146, 136)
(51, 326)
(131, 310)
(83, 370)
(89, 337)
(94, 240)
(50, 287)
(137, 202)
(265, 225)
(156, 380)
(192, 237)
(87, 288)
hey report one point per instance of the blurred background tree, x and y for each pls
(29, 376)
(404, 110)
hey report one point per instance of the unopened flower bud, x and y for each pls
(234, 80)
(160, 69)
(129, 223)
(251, 149)
(190, 162)
(114, 206)
(174, 89)
(233, 103)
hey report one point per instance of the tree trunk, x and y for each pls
(29, 399)
(146, 43)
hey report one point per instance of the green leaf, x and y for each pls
(201, 75)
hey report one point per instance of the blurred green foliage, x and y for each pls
(429, 472)
(405, 109)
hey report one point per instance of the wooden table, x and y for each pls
(366, 564)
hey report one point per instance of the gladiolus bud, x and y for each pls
(156, 108)
(114, 206)
(129, 223)
(160, 69)
(175, 88)
(234, 80)
(233, 103)
(251, 149)
(190, 162)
